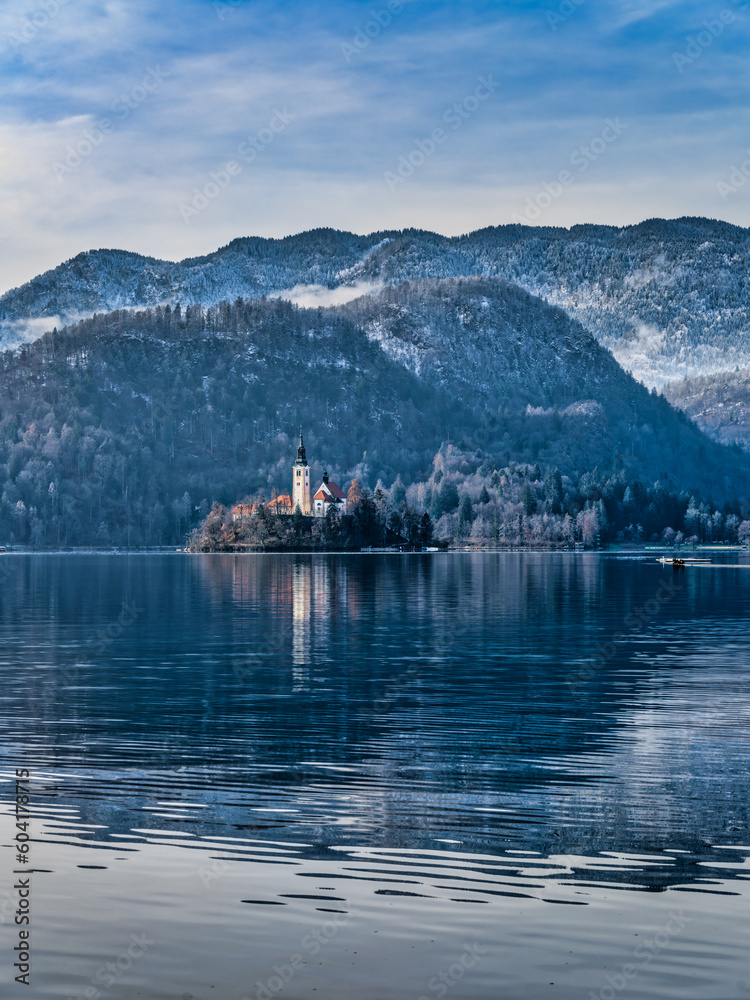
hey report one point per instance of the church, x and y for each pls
(327, 496)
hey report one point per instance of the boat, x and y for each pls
(679, 561)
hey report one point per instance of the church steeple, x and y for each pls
(301, 459)
(301, 496)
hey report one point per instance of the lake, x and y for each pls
(377, 777)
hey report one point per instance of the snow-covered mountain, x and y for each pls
(669, 298)
(719, 404)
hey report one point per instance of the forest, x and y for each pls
(125, 429)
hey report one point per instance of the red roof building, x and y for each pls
(328, 495)
(242, 512)
(280, 505)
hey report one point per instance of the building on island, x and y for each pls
(327, 496)
(281, 504)
(301, 495)
(242, 511)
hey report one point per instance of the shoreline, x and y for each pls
(509, 550)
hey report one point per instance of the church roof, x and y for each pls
(339, 494)
(329, 490)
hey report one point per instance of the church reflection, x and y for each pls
(301, 599)
(301, 584)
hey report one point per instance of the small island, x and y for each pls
(324, 519)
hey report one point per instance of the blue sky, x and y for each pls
(169, 128)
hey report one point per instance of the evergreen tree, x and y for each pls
(466, 510)
(449, 498)
(425, 530)
(528, 499)
(398, 495)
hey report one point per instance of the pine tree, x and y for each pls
(466, 510)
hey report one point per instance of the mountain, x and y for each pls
(669, 298)
(124, 427)
(719, 404)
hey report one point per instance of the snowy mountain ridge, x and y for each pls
(670, 299)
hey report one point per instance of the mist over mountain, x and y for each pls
(124, 427)
(669, 298)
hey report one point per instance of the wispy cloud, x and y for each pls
(312, 296)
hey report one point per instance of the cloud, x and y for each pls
(23, 331)
(225, 75)
(314, 296)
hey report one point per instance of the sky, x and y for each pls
(170, 127)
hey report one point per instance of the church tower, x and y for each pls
(301, 482)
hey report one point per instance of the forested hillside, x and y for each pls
(124, 428)
(719, 404)
(670, 298)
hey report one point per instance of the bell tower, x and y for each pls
(301, 481)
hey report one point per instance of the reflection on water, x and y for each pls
(301, 608)
(435, 743)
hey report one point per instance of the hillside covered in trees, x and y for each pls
(668, 297)
(124, 429)
(719, 404)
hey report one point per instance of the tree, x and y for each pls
(354, 496)
(553, 491)
(731, 526)
(298, 521)
(668, 536)
(466, 510)
(212, 527)
(693, 520)
(528, 499)
(587, 523)
(411, 523)
(397, 495)
(332, 524)
(425, 530)
(743, 533)
(484, 496)
(448, 497)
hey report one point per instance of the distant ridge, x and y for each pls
(669, 298)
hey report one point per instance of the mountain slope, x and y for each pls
(488, 340)
(719, 404)
(669, 298)
(124, 427)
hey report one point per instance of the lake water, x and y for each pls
(376, 777)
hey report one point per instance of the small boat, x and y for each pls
(680, 561)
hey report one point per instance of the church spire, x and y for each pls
(301, 459)
(301, 497)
